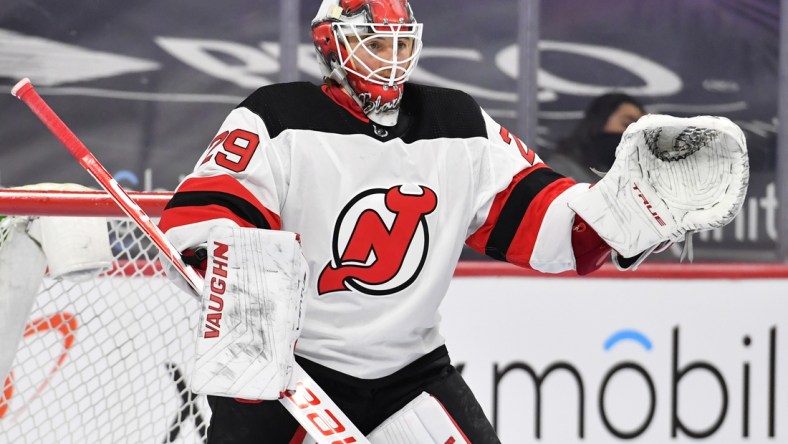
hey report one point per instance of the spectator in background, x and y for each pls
(592, 144)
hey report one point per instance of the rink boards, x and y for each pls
(666, 357)
(652, 360)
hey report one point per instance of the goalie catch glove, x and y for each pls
(672, 176)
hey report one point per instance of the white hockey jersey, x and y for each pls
(382, 212)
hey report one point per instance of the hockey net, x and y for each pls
(105, 359)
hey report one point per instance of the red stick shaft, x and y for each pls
(318, 414)
(25, 92)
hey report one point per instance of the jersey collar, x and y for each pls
(339, 97)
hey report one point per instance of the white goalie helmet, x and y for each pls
(355, 42)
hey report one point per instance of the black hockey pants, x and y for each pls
(366, 402)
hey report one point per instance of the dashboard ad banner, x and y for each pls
(607, 361)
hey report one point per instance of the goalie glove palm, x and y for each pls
(671, 176)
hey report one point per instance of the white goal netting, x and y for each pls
(105, 360)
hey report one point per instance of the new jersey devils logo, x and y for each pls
(380, 242)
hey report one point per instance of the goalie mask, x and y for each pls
(370, 48)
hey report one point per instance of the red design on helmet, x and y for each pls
(368, 25)
(379, 10)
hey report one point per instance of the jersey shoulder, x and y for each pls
(427, 112)
(443, 112)
(295, 105)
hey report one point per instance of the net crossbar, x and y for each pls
(105, 360)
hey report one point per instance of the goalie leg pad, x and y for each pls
(671, 176)
(252, 308)
(22, 267)
(423, 420)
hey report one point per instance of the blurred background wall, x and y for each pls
(146, 84)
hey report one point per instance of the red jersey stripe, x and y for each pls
(230, 185)
(522, 246)
(478, 240)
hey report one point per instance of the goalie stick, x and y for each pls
(309, 404)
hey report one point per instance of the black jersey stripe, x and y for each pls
(514, 210)
(238, 206)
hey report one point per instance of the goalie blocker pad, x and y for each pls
(672, 176)
(252, 308)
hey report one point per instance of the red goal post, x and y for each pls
(105, 359)
(17, 202)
